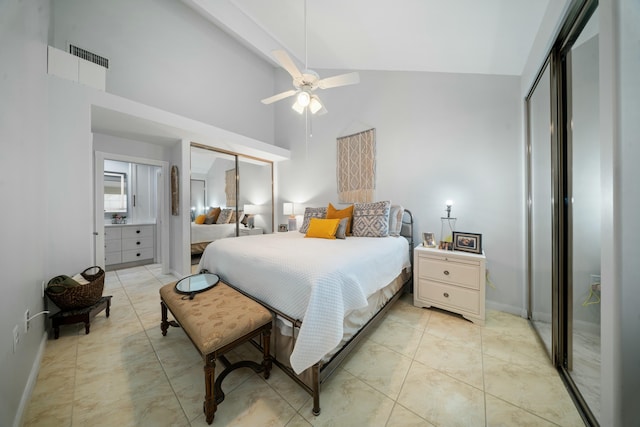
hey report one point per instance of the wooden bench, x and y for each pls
(216, 321)
(79, 315)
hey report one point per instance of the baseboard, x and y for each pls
(31, 382)
(176, 274)
(518, 311)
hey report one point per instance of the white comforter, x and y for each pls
(209, 232)
(318, 281)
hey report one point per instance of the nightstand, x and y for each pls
(250, 231)
(451, 280)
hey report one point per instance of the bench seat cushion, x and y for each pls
(216, 317)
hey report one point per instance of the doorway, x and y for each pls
(144, 201)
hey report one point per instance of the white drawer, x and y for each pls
(139, 243)
(112, 246)
(137, 231)
(449, 296)
(441, 269)
(112, 233)
(113, 258)
(135, 255)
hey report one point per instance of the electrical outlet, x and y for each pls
(16, 337)
(26, 321)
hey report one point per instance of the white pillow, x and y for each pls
(396, 212)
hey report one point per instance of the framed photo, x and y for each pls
(283, 227)
(467, 242)
(428, 240)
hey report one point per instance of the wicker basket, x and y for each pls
(82, 295)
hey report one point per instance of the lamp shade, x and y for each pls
(250, 209)
(287, 208)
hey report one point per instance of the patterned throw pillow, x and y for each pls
(312, 213)
(371, 219)
(225, 216)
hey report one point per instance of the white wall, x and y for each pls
(165, 55)
(439, 136)
(25, 168)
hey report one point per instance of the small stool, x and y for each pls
(216, 321)
(77, 315)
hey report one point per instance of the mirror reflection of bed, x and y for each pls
(231, 196)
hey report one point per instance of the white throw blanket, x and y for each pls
(318, 281)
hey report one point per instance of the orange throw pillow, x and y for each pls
(322, 228)
(342, 213)
(215, 213)
(200, 219)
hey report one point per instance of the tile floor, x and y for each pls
(418, 368)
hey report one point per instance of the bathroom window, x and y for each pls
(115, 192)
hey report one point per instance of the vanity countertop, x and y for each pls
(133, 224)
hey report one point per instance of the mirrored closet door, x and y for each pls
(564, 205)
(541, 209)
(583, 216)
(231, 196)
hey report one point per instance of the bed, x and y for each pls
(203, 234)
(325, 293)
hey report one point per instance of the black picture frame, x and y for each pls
(467, 242)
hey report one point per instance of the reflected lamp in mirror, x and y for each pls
(250, 211)
(289, 209)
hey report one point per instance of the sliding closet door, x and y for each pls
(564, 236)
(582, 355)
(541, 210)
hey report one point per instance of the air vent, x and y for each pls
(89, 56)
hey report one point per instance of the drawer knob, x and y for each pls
(137, 254)
(138, 231)
(446, 272)
(446, 295)
(137, 243)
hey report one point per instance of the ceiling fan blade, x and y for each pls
(339, 80)
(279, 96)
(287, 63)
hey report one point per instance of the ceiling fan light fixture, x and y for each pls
(303, 98)
(297, 107)
(315, 105)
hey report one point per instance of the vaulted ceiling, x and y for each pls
(452, 36)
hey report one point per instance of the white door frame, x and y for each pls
(162, 224)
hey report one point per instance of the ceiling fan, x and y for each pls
(307, 81)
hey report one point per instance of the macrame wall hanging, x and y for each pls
(356, 167)
(230, 187)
